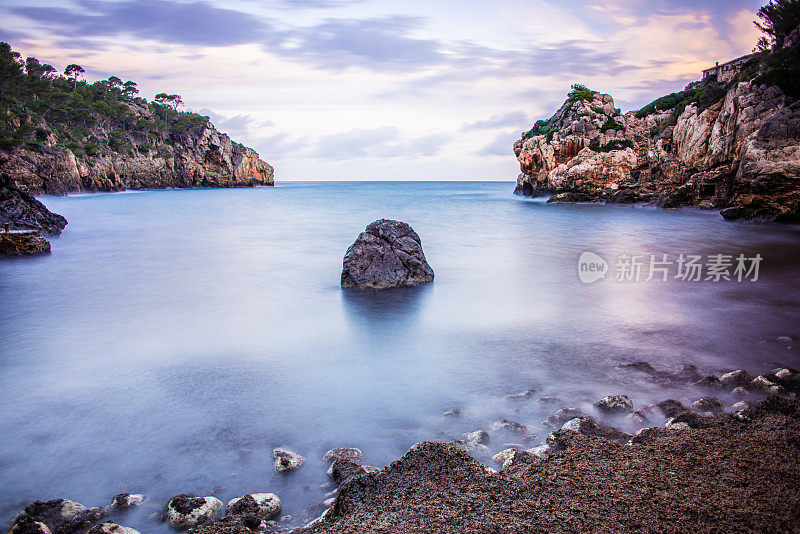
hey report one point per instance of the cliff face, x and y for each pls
(20, 211)
(198, 157)
(740, 154)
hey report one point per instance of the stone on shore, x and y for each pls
(561, 416)
(349, 453)
(504, 455)
(709, 382)
(509, 426)
(768, 383)
(286, 460)
(709, 404)
(478, 436)
(59, 515)
(343, 469)
(262, 505)
(109, 527)
(388, 254)
(589, 427)
(737, 378)
(615, 404)
(28, 525)
(186, 510)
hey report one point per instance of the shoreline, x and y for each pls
(438, 486)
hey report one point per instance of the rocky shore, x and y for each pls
(24, 221)
(693, 465)
(733, 147)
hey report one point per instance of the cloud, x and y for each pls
(501, 146)
(498, 121)
(198, 23)
(377, 43)
(380, 142)
(236, 125)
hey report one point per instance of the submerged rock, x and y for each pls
(737, 378)
(23, 244)
(615, 404)
(109, 527)
(562, 416)
(186, 510)
(523, 395)
(262, 505)
(710, 382)
(509, 426)
(455, 412)
(388, 254)
(349, 453)
(286, 460)
(127, 500)
(478, 436)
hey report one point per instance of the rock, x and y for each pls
(768, 383)
(710, 382)
(28, 525)
(615, 404)
(233, 524)
(349, 453)
(523, 395)
(286, 460)
(455, 412)
(789, 378)
(21, 211)
(109, 527)
(691, 419)
(470, 446)
(740, 391)
(741, 405)
(676, 425)
(561, 416)
(670, 407)
(186, 510)
(504, 455)
(549, 399)
(371, 468)
(709, 404)
(388, 254)
(589, 427)
(508, 426)
(342, 470)
(262, 505)
(127, 500)
(638, 417)
(59, 515)
(23, 244)
(783, 340)
(738, 378)
(478, 436)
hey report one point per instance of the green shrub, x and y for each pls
(616, 144)
(611, 124)
(91, 149)
(580, 93)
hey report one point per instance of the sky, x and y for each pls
(385, 90)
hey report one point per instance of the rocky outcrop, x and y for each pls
(387, 254)
(286, 460)
(264, 506)
(198, 157)
(740, 154)
(23, 244)
(21, 211)
(186, 510)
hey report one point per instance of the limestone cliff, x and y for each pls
(738, 152)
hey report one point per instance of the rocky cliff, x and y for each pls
(734, 147)
(59, 134)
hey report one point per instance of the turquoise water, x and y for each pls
(173, 338)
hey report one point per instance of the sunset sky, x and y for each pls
(349, 89)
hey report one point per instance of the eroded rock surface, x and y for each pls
(387, 254)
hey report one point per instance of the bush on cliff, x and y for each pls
(35, 101)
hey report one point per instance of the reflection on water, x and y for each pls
(173, 338)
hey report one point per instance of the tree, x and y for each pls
(73, 72)
(129, 89)
(778, 19)
(169, 100)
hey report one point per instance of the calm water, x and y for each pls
(173, 338)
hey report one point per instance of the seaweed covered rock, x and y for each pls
(262, 505)
(387, 254)
(186, 510)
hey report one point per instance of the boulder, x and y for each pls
(669, 407)
(708, 404)
(789, 378)
(522, 395)
(768, 382)
(504, 455)
(737, 378)
(455, 412)
(286, 460)
(59, 515)
(740, 391)
(23, 244)
(709, 382)
(109, 527)
(615, 404)
(186, 510)
(28, 525)
(349, 453)
(387, 254)
(478, 436)
(638, 417)
(262, 505)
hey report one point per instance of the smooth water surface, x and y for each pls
(173, 338)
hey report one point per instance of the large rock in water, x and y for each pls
(388, 254)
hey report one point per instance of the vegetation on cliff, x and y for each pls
(38, 105)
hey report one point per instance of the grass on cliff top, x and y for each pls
(91, 119)
(578, 93)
